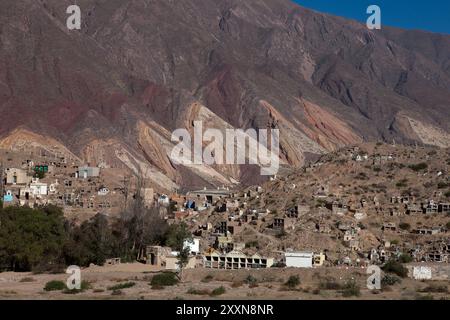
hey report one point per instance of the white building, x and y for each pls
(38, 188)
(297, 259)
(87, 172)
(194, 246)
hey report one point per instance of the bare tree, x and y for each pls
(140, 225)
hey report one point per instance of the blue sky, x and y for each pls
(430, 15)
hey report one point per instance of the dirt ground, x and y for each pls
(199, 283)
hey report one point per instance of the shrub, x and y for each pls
(164, 279)
(202, 292)
(418, 167)
(218, 291)
(330, 284)
(404, 226)
(390, 280)
(208, 278)
(447, 194)
(54, 285)
(292, 282)
(120, 286)
(395, 267)
(351, 289)
(442, 185)
(435, 289)
(251, 280)
(116, 292)
(402, 183)
(281, 234)
(405, 258)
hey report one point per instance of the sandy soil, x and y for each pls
(270, 284)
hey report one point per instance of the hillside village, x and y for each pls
(357, 206)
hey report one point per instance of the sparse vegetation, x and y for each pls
(404, 226)
(330, 284)
(405, 258)
(434, 288)
(199, 292)
(395, 267)
(54, 285)
(443, 185)
(418, 167)
(351, 289)
(117, 292)
(402, 183)
(251, 281)
(121, 286)
(218, 291)
(293, 282)
(390, 280)
(208, 278)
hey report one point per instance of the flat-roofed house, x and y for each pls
(15, 176)
(235, 260)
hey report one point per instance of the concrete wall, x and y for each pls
(429, 271)
(299, 259)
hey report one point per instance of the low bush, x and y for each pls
(418, 167)
(292, 282)
(395, 267)
(351, 289)
(164, 279)
(405, 258)
(404, 226)
(390, 280)
(54, 285)
(251, 280)
(123, 285)
(117, 292)
(208, 278)
(330, 284)
(435, 289)
(237, 284)
(218, 291)
(201, 292)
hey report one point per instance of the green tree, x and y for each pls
(91, 242)
(176, 236)
(31, 238)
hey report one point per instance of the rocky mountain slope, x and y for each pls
(115, 90)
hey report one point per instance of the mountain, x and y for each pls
(114, 91)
